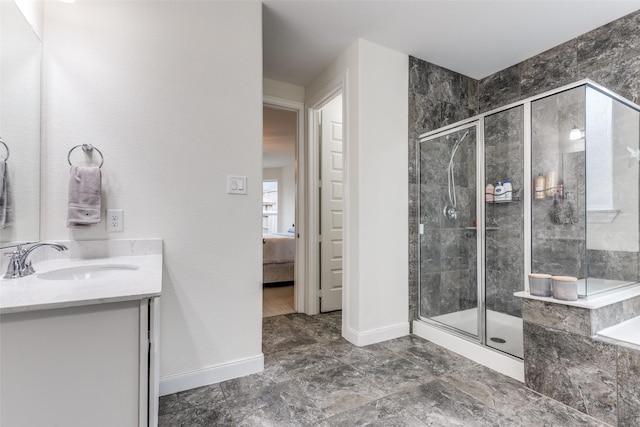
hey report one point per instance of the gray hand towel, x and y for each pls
(6, 203)
(85, 196)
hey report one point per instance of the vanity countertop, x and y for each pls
(33, 292)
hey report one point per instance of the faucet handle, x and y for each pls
(13, 270)
(15, 254)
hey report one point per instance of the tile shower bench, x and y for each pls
(566, 359)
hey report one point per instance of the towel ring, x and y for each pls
(6, 148)
(87, 148)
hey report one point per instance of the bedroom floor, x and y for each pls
(313, 377)
(277, 300)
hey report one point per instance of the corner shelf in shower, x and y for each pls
(503, 202)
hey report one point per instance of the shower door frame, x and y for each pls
(476, 122)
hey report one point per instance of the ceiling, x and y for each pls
(278, 137)
(472, 37)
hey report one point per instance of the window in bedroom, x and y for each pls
(269, 207)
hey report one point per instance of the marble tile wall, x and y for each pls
(437, 97)
(628, 386)
(609, 55)
(578, 320)
(572, 369)
(448, 267)
(562, 360)
(504, 243)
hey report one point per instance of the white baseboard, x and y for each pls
(374, 336)
(495, 360)
(214, 374)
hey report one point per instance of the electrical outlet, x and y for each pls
(115, 220)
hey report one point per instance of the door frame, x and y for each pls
(299, 269)
(335, 87)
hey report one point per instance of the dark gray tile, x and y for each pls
(319, 328)
(572, 369)
(435, 359)
(565, 318)
(281, 333)
(395, 375)
(631, 308)
(372, 355)
(340, 389)
(499, 89)
(312, 359)
(492, 388)
(273, 373)
(202, 406)
(550, 69)
(207, 395)
(402, 343)
(282, 404)
(628, 387)
(547, 412)
(198, 417)
(380, 413)
(170, 403)
(439, 404)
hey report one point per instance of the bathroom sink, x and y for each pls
(87, 272)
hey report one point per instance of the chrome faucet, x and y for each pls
(20, 263)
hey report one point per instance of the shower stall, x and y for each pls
(477, 249)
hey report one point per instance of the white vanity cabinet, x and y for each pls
(89, 365)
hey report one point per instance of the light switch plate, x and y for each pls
(236, 184)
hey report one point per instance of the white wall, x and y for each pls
(32, 11)
(376, 191)
(171, 92)
(283, 90)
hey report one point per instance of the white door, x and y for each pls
(331, 200)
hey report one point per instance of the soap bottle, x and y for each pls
(508, 190)
(539, 186)
(489, 193)
(499, 192)
(551, 183)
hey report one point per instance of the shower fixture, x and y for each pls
(451, 210)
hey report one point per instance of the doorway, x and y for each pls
(280, 137)
(331, 200)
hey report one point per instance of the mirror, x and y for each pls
(20, 62)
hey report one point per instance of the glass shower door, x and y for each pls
(504, 230)
(448, 218)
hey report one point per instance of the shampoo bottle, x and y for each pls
(539, 186)
(508, 190)
(499, 191)
(551, 183)
(489, 193)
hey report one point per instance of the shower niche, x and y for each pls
(572, 158)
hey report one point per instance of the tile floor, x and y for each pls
(313, 377)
